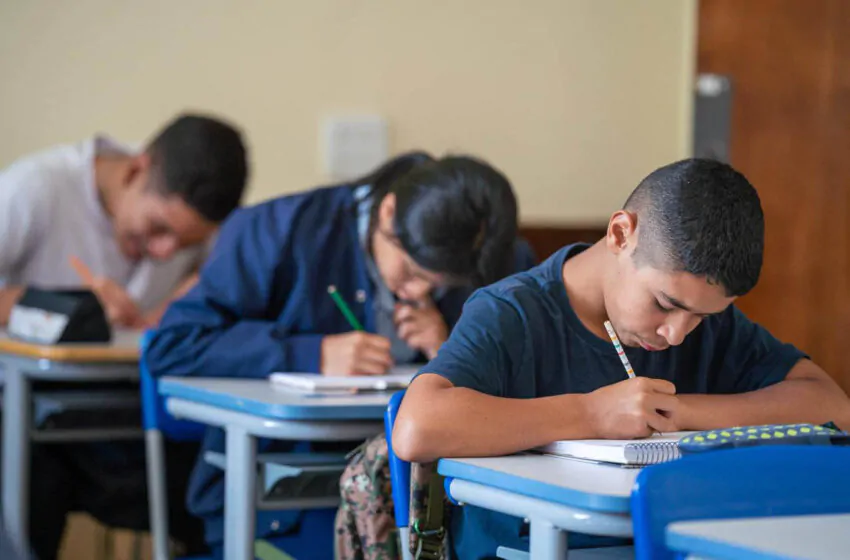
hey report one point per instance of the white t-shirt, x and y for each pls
(50, 211)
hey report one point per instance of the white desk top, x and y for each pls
(554, 479)
(124, 347)
(807, 537)
(260, 398)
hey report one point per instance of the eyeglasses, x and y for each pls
(410, 272)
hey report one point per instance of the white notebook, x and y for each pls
(656, 449)
(398, 378)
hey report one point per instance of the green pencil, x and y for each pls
(343, 307)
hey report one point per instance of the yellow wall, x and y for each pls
(574, 99)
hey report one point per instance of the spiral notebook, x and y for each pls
(398, 378)
(633, 452)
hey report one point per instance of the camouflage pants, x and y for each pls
(365, 524)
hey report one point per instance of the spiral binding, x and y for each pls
(652, 452)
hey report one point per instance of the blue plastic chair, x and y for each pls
(740, 483)
(158, 425)
(399, 478)
(314, 538)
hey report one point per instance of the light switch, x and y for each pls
(353, 145)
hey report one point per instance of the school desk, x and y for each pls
(250, 408)
(553, 494)
(21, 364)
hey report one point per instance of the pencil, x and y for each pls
(619, 348)
(343, 307)
(622, 353)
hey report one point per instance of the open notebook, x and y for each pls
(637, 452)
(398, 378)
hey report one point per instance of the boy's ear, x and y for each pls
(386, 212)
(139, 167)
(143, 161)
(622, 231)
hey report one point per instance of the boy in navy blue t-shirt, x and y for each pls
(530, 361)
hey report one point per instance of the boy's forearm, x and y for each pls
(457, 422)
(815, 399)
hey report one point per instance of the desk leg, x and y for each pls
(16, 455)
(240, 481)
(547, 541)
(157, 493)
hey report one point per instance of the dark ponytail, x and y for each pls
(457, 216)
(382, 178)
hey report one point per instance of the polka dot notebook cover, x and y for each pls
(666, 447)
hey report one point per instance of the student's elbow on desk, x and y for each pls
(410, 441)
(418, 430)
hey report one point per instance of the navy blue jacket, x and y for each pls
(262, 305)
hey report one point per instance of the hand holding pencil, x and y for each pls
(633, 408)
(356, 352)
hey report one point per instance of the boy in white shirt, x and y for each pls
(139, 220)
(133, 226)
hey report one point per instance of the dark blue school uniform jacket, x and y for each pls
(262, 305)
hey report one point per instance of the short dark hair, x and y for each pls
(702, 217)
(457, 216)
(203, 161)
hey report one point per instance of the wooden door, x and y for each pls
(789, 61)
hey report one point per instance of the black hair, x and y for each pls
(202, 160)
(455, 216)
(702, 217)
